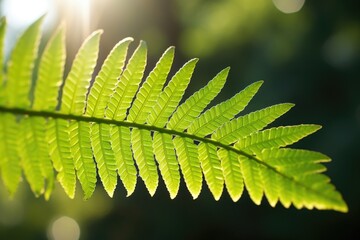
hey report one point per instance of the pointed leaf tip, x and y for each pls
(225, 72)
(142, 43)
(227, 69)
(97, 32)
(127, 39)
(171, 48)
(152, 192)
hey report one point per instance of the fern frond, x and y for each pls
(253, 179)
(212, 169)
(118, 125)
(141, 143)
(20, 67)
(50, 74)
(78, 81)
(171, 96)
(10, 160)
(250, 123)
(2, 39)
(30, 161)
(104, 156)
(105, 82)
(151, 88)
(121, 145)
(128, 84)
(296, 171)
(168, 165)
(58, 136)
(275, 137)
(186, 113)
(187, 154)
(232, 173)
(216, 116)
(81, 151)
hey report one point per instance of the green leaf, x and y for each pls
(141, 144)
(104, 156)
(250, 123)
(121, 144)
(212, 169)
(216, 116)
(194, 105)
(2, 40)
(128, 84)
(58, 136)
(171, 96)
(308, 188)
(39, 134)
(78, 81)
(10, 160)
(105, 82)
(275, 137)
(50, 76)
(83, 156)
(232, 173)
(253, 179)
(29, 157)
(165, 156)
(105, 128)
(187, 154)
(20, 67)
(151, 88)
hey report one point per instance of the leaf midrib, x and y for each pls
(59, 115)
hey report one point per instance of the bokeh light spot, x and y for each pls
(289, 6)
(65, 228)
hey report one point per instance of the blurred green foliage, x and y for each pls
(310, 58)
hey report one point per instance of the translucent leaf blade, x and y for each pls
(58, 137)
(42, 152)
(141, 144)
(105, 82)
(168, 165)
(121, 144)
(78, 81)
(50, 75)
(194, 105)
(29, 157)
(271, 185)
(250, 123)
(307, 189)
(2, 38)
(151, 88)
(83, 156)
(171, 96)
(216, 116)
(253, 180)
(128, 84)
(104, 156)
(232, 173)
(275, 137)
(187, 154)
(20, 66)
(211, 168)
(10, 159)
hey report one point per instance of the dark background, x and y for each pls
(310, 58)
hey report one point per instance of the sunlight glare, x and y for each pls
(23, 12)
(81, 5)
(289, 6)
(79, 9)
